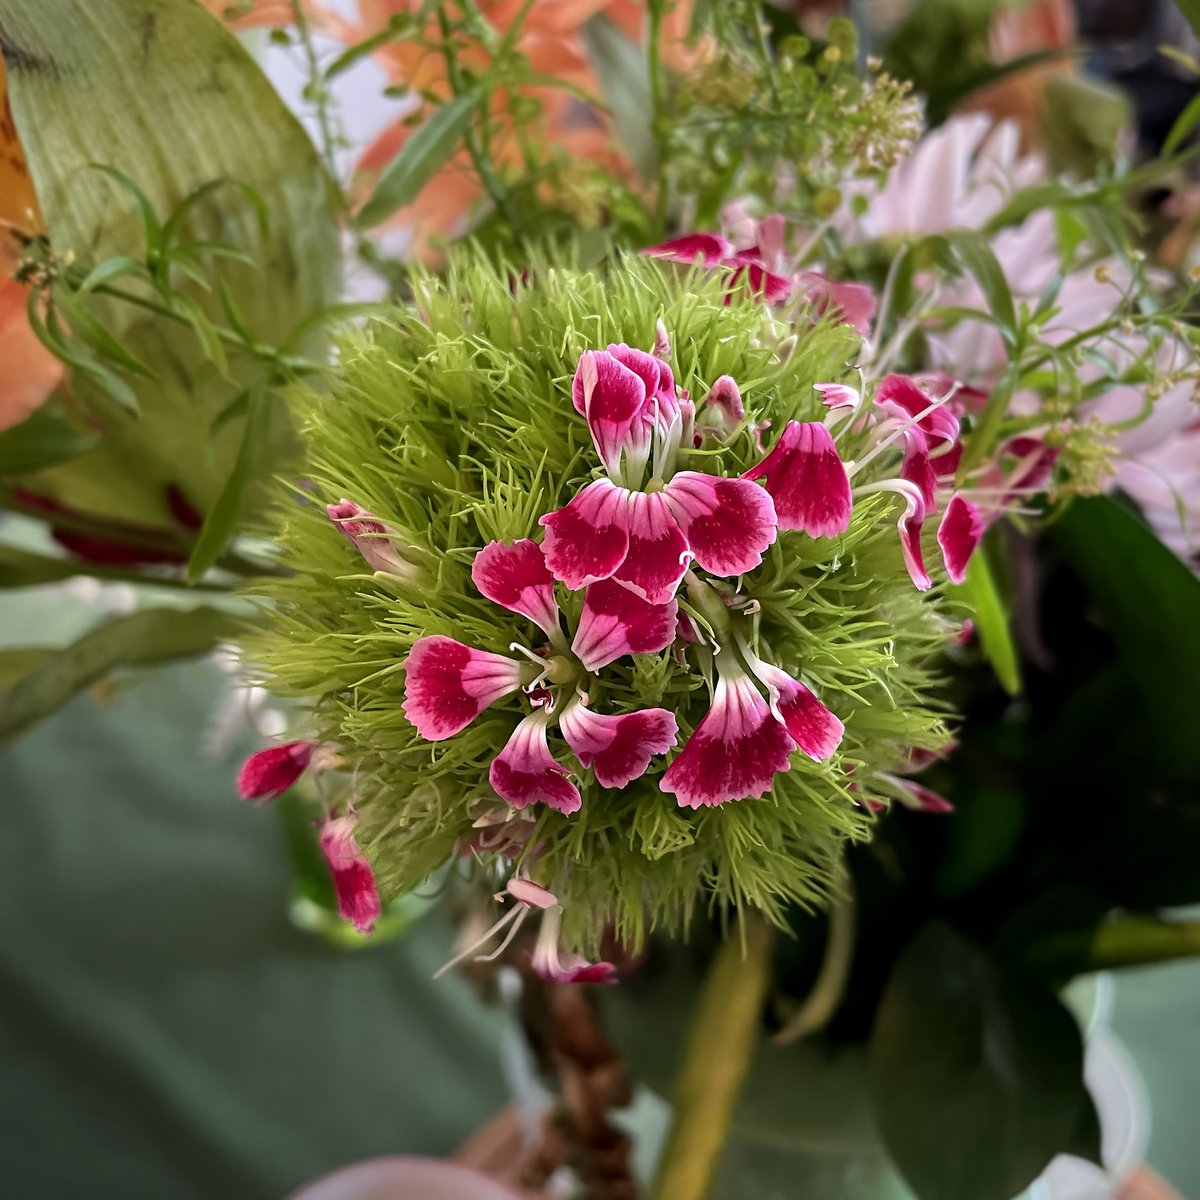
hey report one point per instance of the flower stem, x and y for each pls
(719, 1050)
(1141, 942)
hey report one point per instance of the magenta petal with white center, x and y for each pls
(918, 468)
(734, 753)
(728, 523)
(838, 395)
(658, 552)
(901, 395)
(813, 727)
(764, 285)
(353, 879)
(447, 685)
(269, 773)
(617, 748)
(613, 399)
(616, 621)
(588, 539)
(708, 249)
(525, 772)
(909, 527)
(958, 535)
(807, 480)
(724, 402)
(515, 575)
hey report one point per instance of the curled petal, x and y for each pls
(525, 772)
(662, 340)
(613, 398)
(353, 879)
(724, 402)
(734, 753)
(515, 575)
(901, 395)
(918, 468)
(447, 685)
(553, 965)
(807, 480)
(658, 553)
(853, 303)
(707, 249)
(728, 523)
(662, 404)
(758, 281)
(838, 395)
(588, 539)
(269, 773)
(813, 727)
(920, 798)
(616, 621)
(531, 894)
(617, 748)
(958, 535)
(909, 527)
(370, 537)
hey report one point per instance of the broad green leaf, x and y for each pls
(154, 635)
(976, 1075)
(1150, 604)
(221, 522)
(41, 440)
(424, 152)
(991, 622)
(1184, 124)
(162, 93)
(22, 568)
(19, 661)
(620, 67)
(1191, 10)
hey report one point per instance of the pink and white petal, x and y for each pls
(658, 552)
(613, 400)
(353, 879)
(616, 621)
(525, 772)
(918, 468)
(707, 249)
(618, 748)
(807, 480)
(902, 396)
(909, 528)
(958, 535)
(447, 685)
(269, 773)
(728, 523)
(515, 575)
(920, 798)
(761, 284)
(724, 402)
(734, 753)
(531, 894)
(813, 727)
(374, 540)
(588, 539)
(838, 395)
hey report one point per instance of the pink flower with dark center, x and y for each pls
(958, 535)
(525, 772)
(353, 879)
(374, 540)
(514, 575)
(447, 685)
(617, 748)
(269, 773)
(853, 303)
(616, 621)
(807, 480)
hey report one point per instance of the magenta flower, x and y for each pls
(902, 396)
(852, 303)
(448, 684)
(554, 966)
(747, 267)
(646, 539)
(807, 480)
(353, 879)
(958, 535)
(374, 540)
(269, 773)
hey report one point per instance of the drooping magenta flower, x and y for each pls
(448, 684)
(267, 774)
(807, 480)
(645, 537)
(747, 268)
(374, 540)
(353, 878)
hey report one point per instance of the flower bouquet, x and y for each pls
(658, 565)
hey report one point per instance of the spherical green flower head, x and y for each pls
(452, 426)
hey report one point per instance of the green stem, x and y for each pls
(320, 101)
(660, 126)
(720, 1047)
(1141, 942)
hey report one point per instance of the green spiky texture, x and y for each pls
(453, 422)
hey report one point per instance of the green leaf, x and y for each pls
(41, 440)
(976, 1075)
(424, 152)
(221, 522)
(22, 568)
(154, 635)
(110, 269)
(976, 255)
(20, 660)
(620, 67)
(1150, 602)
(991, 622)
(1184, 124)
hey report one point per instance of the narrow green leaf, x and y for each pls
(991, 622)
(20, 660)
(152, 230)
(92, 333)
(39, 441)
(364, 49)
(22, 568)
(221, 522)
(153, 635)
(1184, 124)
(620, 67)
(112, 268)
(976, 1074)
(976, 255)
(424, 152)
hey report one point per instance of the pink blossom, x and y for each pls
(805, 477)
(958, 535)
(554, 965)
(616, 621)
(374, 540)
(269, 773)
(525, 772)
(744, 268)
(353, 879)
(853, 303)
(514, 575)
(617, 748)
(447, 685)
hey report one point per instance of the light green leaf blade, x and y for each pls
(991, 623)
(620, 67)
(41, 440)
